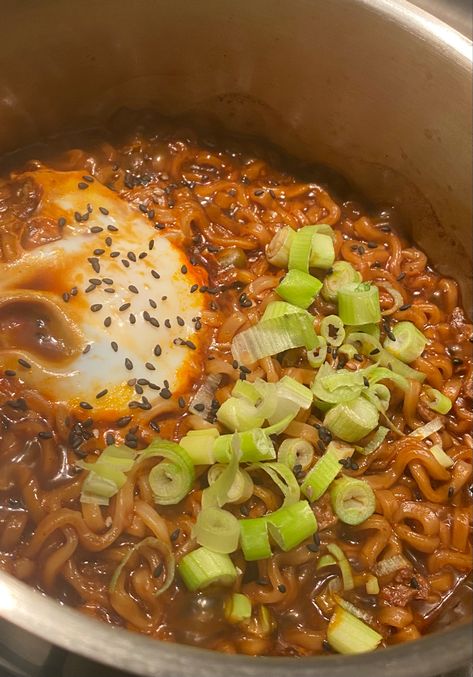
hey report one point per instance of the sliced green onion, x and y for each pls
(326, 561)
(277, 251)
(299, 288)
(217, 494)
(437, 401)
(247, 391)
(217, 529)
(325, 229)
(237, 414)
(424, 431)
(172, 479)
(237, 608)
(241, 489)
(322, 252)
(200, 447)
(441, 457)
(164, 550)
(372, 585)
(353, 500)
(290, 397)
(379, 395)
(397, 298)
(344, 565)
(359, 304)
(291, 525)
(202, 567)
(351, 608)
(370, 329)
(375, 442)
(319, 478)
(300, 252)
(350, 421)
(280, 427)
(277, 309)
(408, 343)
(254, 539)
(255, 445)
(296, 451)
(348, 350)
(318, 355)
(331, 328)
(283, 478)
(274, 336)
(384, 374)
(347, 634)
(370, 346)
(342, 273)
(107, 475)
(337, 385)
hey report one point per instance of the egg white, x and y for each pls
(160, 344)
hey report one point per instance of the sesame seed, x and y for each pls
(282, 587)
(108, 321)
(181, 402)
(190, 344)
(86, 349)
(128, 363)
(175, 535)
(94, 262)
(131, 256)
(158, 570)
(165, 393)
(143, 208)
(143, 255)
(194, 288)
(109, 290)
(95, 281)
(66, 296)
(132, 318)
(78, 216)
(153, 303)
(126, 263)
(157, 350)
(99, 252)
(150, 366)
(45, 435)
(85, 405)
(180, 321)
(124, 306)
(10, 372)
(133, 289)
(96, 307)
(104, 211)
(155, 274)
(61, 222)
(167, 323)
(24, 363)
(184, 269)
(108, 241)
(405, 306)
(74, 291)
(400, 277)
(123, 421)
(112, 229)
(88, 178)
(451, 491)
(102, 393)
(82, 185)
(155, 426)
(96, 229)
(151, 245)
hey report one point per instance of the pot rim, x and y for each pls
(65, 627)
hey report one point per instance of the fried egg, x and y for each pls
(112, 304)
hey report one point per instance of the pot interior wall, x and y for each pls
(334, 82)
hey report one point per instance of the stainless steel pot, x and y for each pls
(375, 88)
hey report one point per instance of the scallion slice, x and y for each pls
(290, 397)
(347, 634)
(317, 356)
(254, 539)
(277, 309)
(242, 487)
(217, 494)
(370, 346)
(283, 478)
(203, 567)
(358, 304)
(331, 328)
(441, 457)
(375, 442)
(217, 529)
(247, 391)
(299, 288)
(296, 451)
(255, 445)
(350, 421)
(326, 561)
(200, 447)
(171, 480)
(424, 431)
(342, 273)
(277, 251)
(344, 565)
(274, 336)
(107, 475)
(237, 414)
(437, 401)
(337, 385)
(322, 252)
(353, 500)
(237, 608)
(408, 343)
(291, 525)
(300, 251)
(372, 585)
(163, 549)
(319, 478)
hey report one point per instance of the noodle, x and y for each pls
(218, 204)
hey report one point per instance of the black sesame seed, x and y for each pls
(146, 316)
(175, 535)
(152, 303)
(312, 547)
(86, 349)
(157, 350)
(282, 587)
(128, 363)
(66, 296)
(366, 381)
(245, 370)
(155, 426)
(95, 281)
(24, 363)
(259, 192)
(82, 185)
(142, 255)
(165, 393)
(151, 245)
(180, 321)
(19, 404)
(199, 406)
(457, 361)
(133, 289)
(375, 351)
(94, 262)
(184, 269)
(102, 393)
(123, 421)
(414, 583)
(95, 307)
(45, 435)
(99, 252)
(108, 321)
(194, 288)
(190, 344)
(150, 366)
(61, 222)
(108, 241)
(405, 306)
(85, 405)
(96, 229)
(124, 306)
(132, 318)
(400, 277)
(451, 491)
(154, 322)
(358, 357)
(111, 228)
(125, 263)
(114, 345)
(155, 274)
(167, 324)
(10, 372)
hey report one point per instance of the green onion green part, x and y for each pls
(358, 304)
(332, 330)
(341, 274)
(299, 288)
(217, 529)
(437, 401)
(291, 525)
(407, 342)
(254, 539)
(202, 567)
(347, 634)
(172, 479)
(237, 608)
(296, 451)
(351, 421)
(353, 500)
(277, 251)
